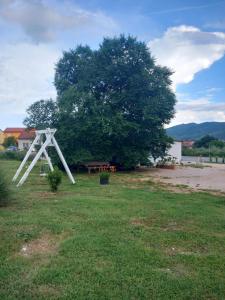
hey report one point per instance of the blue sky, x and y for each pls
(187, 36)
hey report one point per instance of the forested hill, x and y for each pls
(193, 131)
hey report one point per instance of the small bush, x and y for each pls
(104, 176)
(4, 190)
(54, 179)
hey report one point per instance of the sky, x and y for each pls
(186, 35)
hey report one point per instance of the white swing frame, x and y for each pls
(49, 141)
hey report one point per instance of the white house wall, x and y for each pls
(176, 151)
(24, 144)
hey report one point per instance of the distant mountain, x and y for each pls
(193, 131)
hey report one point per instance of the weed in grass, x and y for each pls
(25, 236)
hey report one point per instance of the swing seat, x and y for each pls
(44, 170)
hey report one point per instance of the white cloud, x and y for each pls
(27, 67)
(201, 104)
(26, 75)
(198, 110)
(187, 50)
(190, 116)
(41, 22)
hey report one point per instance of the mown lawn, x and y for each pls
(128, 240)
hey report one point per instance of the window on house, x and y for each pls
(25, 145)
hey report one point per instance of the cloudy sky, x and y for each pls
(186, 35)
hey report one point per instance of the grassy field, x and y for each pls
(128, 240)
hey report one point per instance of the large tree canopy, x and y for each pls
(41, 114)
(113, 103)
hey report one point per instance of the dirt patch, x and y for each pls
(132, 187)
(172, 226)
(180, 270)
(175, 188)
(47, 195)
(181, 251)
(147, 222)
(138, 222)
(155, 182)
(46, 244)
(50, 291)
(143, 179)
(176, 270)
(197, 179)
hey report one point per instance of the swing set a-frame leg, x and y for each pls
(63, 160)
(34, 161)
(25, 158)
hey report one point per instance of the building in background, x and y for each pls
(175, 151)
(1, 140)
(1, 137)
(25, 139)
(188, 144)
(13, 132)
(174, 154)
(23, 136)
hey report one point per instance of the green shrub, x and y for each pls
(15, 155)
(104, 176)
(212, 151)
(4, 190)
(54, 179)
(8, 155)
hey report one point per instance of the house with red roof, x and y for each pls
(23, 136)
(25, 139)
(1, 139)
(188, 144)
(13, 131)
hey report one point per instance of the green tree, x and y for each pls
(9, 141)
(41, 114)
(217, 144)
(113, 103)
(205, 141)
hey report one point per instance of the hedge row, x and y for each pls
(14, 155)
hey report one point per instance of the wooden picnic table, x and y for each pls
(99, 166)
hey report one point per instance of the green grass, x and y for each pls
(127, 240)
